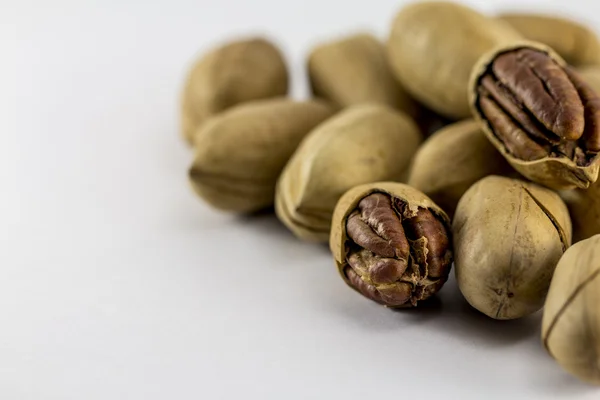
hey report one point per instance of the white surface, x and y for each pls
(117, 283)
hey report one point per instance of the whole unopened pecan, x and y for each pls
(363, 143)
(391, 243)
(452, 160)
(540, 114)
(571, 321)
(508, 236)
(574, 41)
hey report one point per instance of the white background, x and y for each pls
(117, 283)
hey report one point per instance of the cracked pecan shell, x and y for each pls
(539, 113)
(391, 243)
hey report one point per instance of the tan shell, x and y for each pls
(571, 321)
(574, 42)
(349, 201)
(584, 204)
(237, 72)
(362, 144)
(355, 70)
(452, 160)
(508, 238)
(555, 173)
(584, 207)
(591, 74)
(241, 152)
(433, 47)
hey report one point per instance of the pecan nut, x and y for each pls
(397, 254)
(537, 108)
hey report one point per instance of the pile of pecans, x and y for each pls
(466, 139)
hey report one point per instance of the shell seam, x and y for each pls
(563, 309)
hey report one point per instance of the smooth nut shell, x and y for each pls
(355, 70)
(363, 143)
(571, 321)
(574, 42)
(452, 160)
(584, 207)
(508, 237)
(234, 73)
(591, 74)
(433, 47)
(349, 201)
(240, 153)
(553, 172)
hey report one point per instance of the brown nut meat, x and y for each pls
(391, 243)
(452, 160)
(571, 321)
(574, 42)
(237, 72)
(355, 70)
(539, 113)
(508, 237)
